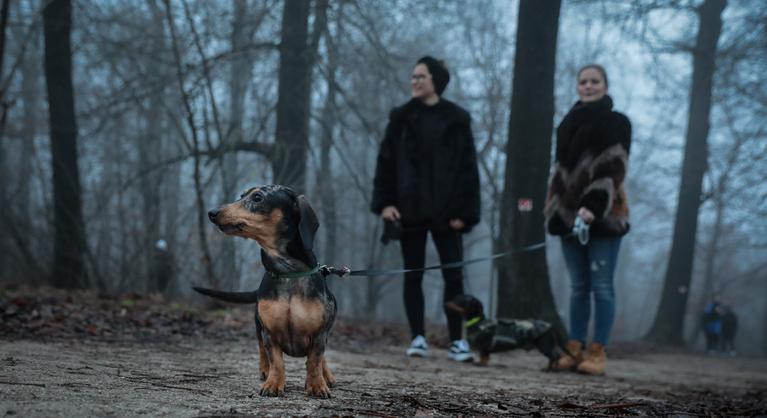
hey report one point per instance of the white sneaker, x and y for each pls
(460, 351)
(418, 347)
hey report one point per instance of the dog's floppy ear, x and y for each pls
(308, 224)
(468, 304)
(475, 306)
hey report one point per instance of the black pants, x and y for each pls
(450, 248)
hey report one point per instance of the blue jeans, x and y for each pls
(591, 269)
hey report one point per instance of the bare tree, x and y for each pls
(68, 266)
(669, 320)
(523, 282)
(31, 92)
(3, 111)
(195, 149)
(328, 122)
(239, 75)
(297, 56)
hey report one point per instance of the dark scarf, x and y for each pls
(579, 131)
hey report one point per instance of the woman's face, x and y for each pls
(591, 85)
(421, 84)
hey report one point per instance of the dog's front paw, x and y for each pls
(330, 379)
(271, 389)
(483, 359)
(318, 389)
(263, 375)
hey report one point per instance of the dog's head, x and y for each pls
(467, 305)
(283, 222)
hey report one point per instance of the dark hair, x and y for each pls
(596, 67)
(440, 76)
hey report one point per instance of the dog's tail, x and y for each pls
(233, 297)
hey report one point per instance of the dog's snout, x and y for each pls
(212, 215)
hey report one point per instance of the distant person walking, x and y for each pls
(427, 181)
(591, 163)
(712, 325)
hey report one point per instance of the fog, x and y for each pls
(176, 109)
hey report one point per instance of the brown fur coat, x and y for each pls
(593, 145)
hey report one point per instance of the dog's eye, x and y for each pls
(257, 197)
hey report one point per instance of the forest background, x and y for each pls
(124, 122)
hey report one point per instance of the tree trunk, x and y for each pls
(69, 236)
(169, 147)
(149, 146)
(764, 321)
(155, 199)
(291, 139)
(239, 76)
(202, 222)
(31, 93)
(669, 320)
(4, 109)
(325, 176)
(523, 279)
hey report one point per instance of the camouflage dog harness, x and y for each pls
(504, 334)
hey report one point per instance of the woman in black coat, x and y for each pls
(427, 179)
(593, 143)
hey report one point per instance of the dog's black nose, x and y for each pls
(212, 215)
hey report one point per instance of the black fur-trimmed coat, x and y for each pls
(429, 186)
(593, 144)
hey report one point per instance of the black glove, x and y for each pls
(392, 231)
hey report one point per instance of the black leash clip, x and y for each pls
(581, 230)
(338, 271)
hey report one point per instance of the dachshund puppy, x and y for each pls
(294, 307)
(487, 336)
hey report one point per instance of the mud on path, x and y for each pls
(210, 369)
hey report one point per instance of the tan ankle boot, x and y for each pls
(567, 363)
(594, 360)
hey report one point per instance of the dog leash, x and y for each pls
(580, 231)
(346, 271)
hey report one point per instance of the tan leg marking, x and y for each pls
(263, 360)
(483, 359)
(275, 383)
(315, 382)
(330, 379)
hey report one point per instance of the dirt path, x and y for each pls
(199, 376)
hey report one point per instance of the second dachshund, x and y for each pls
(487, 336)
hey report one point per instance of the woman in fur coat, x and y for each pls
(593, 143)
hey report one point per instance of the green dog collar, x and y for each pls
(472, 321)
(295, 274)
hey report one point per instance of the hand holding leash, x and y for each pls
(581, 230)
